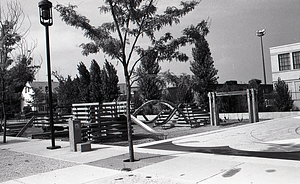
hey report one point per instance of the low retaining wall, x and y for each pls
(262, 115)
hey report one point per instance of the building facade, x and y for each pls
(285, 64)
(27, 96)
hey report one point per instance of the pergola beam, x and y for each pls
(231, 93)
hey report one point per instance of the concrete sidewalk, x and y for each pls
(184, 161)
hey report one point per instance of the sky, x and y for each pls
(235, 48)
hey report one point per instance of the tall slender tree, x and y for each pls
(96, 91)
(85, 79)
(118, 39)
(203, 68)
(110, 81)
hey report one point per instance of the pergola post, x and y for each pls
(254, 106)
(250, 109)
(214, 111)
(211, 109)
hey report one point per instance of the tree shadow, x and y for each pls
(226, 150)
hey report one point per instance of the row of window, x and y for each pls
(285, 63)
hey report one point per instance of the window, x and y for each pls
(284, 62)
(296, 60)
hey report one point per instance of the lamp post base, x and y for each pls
(53, 147)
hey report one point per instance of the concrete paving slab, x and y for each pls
(94, 155)
(257, 173)
(277, 129)
(34, 146)
(189, 170)
(208, 168)
(11, 182)
(39, 147)
(71, 175)
(15, 143)
(137, 178)
(13, 140)
(250, 160)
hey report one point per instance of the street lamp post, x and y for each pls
(261, 33)
(45, 11)
(47, 99)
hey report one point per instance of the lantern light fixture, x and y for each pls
(45, 10)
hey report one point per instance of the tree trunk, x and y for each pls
(4, 127)
(3, 107)
(129, 129)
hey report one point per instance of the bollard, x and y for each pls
(74, 133)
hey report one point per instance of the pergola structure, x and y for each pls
(251, 99)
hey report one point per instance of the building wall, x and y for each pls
(26, 99)
(290, 76)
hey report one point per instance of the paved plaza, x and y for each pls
(263, 152)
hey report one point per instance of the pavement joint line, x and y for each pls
(46, 156)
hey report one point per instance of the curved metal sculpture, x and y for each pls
(164, 102)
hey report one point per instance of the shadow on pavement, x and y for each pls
(226, 150)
